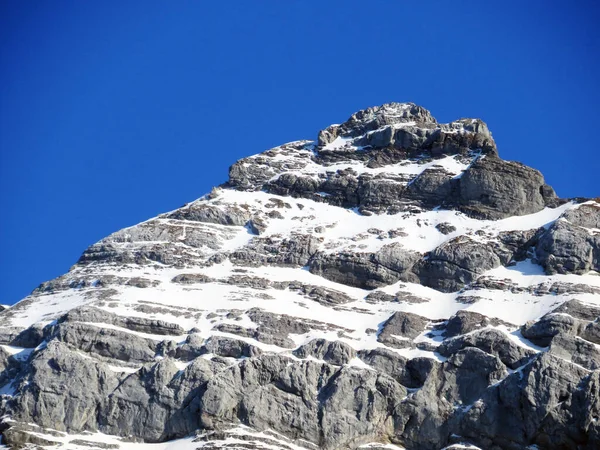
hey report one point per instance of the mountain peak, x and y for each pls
(391, 282)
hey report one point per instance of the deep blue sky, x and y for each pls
(112, 112)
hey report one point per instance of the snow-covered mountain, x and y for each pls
(394, 284)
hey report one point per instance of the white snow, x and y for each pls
(339, 143)
(239, 435)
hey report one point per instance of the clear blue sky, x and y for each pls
(112, 112)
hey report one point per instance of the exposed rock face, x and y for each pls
(491, 341)
(567, 248)
(544, 330)
(212, 214)
(337, 353)
(366, 270)
(52, 371)
(360, 291)
(401, 328)
(464, 322)
(512, 414)
(375, 118)
(432, 187)
(494, 189)
(456, 263)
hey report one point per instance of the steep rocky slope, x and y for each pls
(394, 284)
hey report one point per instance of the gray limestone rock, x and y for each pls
(142, 403)
(424, 419)
(10, 365)
(389, 362)
(398, 297)
(104, 342)
(542, 331)
(21, 436)
(351, 269)
(479, 385)
(411, 373)
(579, 310)
(366, 270)
(248, 281)
(266, 335)
(281, 323)
(191, 278)
(30, 337)
(190, 349)
(9, 334)
(295, 185)
(576, 350)
(376, 117)
(198, 212)
(586, 215)
(4, 355)
(295, 250)
(337, 353)
(322, 295)
(158, 400)
(381, 193)
(395, 258)
(456, 263)
(592, 332)
(517, 243)
(401, 328)
(232, 348)
(254, 172)
(63, 390)
(432, 187)
(491, 341)
(303, 400)
(445, 228)
(567, 248)
(140, 324)
(467, 374)
(466, 321)
(511, 414)
(274, 328)
(158, 241)
(492, 188)
(573, 423)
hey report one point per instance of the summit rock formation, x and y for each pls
(393, 284)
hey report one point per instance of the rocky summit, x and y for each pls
(393, 284)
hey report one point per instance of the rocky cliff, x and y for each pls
(393, 284)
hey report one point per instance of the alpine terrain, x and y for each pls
(393, 284)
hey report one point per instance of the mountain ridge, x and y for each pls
(386, 283)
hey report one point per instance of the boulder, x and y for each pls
(456, 263)
(492, 188)
(567, 248)
(466, 321)
(337, 353)
(401, 328)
